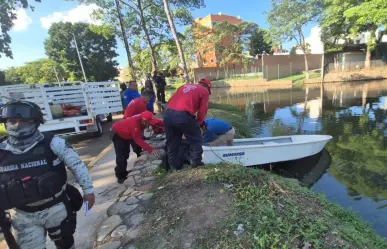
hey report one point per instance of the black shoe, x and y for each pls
(195, 165)
(121, 180)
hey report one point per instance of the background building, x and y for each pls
(207, 55)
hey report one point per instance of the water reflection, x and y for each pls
(353, 113)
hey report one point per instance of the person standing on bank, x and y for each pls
(217, 132)
(138, 105)
(131, 93)
(129, 132)
(179, 120)
(160, 87)
(148, 86)
(32, 166)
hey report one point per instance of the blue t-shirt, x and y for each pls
(215, 127)
(130, 95)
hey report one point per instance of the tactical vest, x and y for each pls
(33, 176)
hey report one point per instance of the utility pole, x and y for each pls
(124, 37)
(80, 60)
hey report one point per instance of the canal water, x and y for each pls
(352, 171)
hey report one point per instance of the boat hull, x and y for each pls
(257, 151)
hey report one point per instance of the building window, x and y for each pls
(212, 60)
(214, 23)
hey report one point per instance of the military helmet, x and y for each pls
(21, 109)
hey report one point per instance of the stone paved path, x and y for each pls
(119, 207)
(121, 227)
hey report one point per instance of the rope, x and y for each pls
(216, 154)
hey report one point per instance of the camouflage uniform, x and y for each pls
(30, 229)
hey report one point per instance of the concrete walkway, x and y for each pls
(106, 189)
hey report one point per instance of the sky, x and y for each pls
(30, 29)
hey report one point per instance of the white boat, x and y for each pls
(257, 151)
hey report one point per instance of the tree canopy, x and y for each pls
(344, 20)
(145, 21)
(97, 51)
(2, 78)
(232, 41)
(287, 18)
(258, 43)
(38, 71)
(7, 16)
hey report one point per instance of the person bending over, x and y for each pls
(128, 132)
(179, 120)
(217, 132)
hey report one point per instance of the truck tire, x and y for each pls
(109, 117)
(99, 132)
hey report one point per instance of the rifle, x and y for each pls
(5, 228)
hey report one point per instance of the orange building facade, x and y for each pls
(208, 56)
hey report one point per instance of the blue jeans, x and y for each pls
(177, 124)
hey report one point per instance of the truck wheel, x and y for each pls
(99, 132)
(109, 117)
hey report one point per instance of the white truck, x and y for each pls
(70, 107)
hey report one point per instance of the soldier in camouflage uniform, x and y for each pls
(33, 181)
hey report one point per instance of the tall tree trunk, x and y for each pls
(306, 66)
(303, 46)
(368, 57)
(370, 47)
(177, 40)
(125, 38)
(147, 37)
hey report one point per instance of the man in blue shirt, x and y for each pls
(131, 93)
(217, 132)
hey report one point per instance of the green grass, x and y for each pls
(232, 115)
(294, 77)
(229, 113)
(298, 79)
(275, 212)
(279, 213)
(255, 77)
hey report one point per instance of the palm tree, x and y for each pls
(177, 40)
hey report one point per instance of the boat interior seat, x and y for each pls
(266, 142)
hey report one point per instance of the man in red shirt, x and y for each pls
(179, 120)
(138, 105)
(129, 132)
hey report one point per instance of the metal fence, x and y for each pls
(227, 72)
(356, 65)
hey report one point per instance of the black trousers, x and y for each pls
(122, 149)
(177, 124)
(161, 93)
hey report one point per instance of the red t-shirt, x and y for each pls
(191, 98)
(132, 129)
(136, 106)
